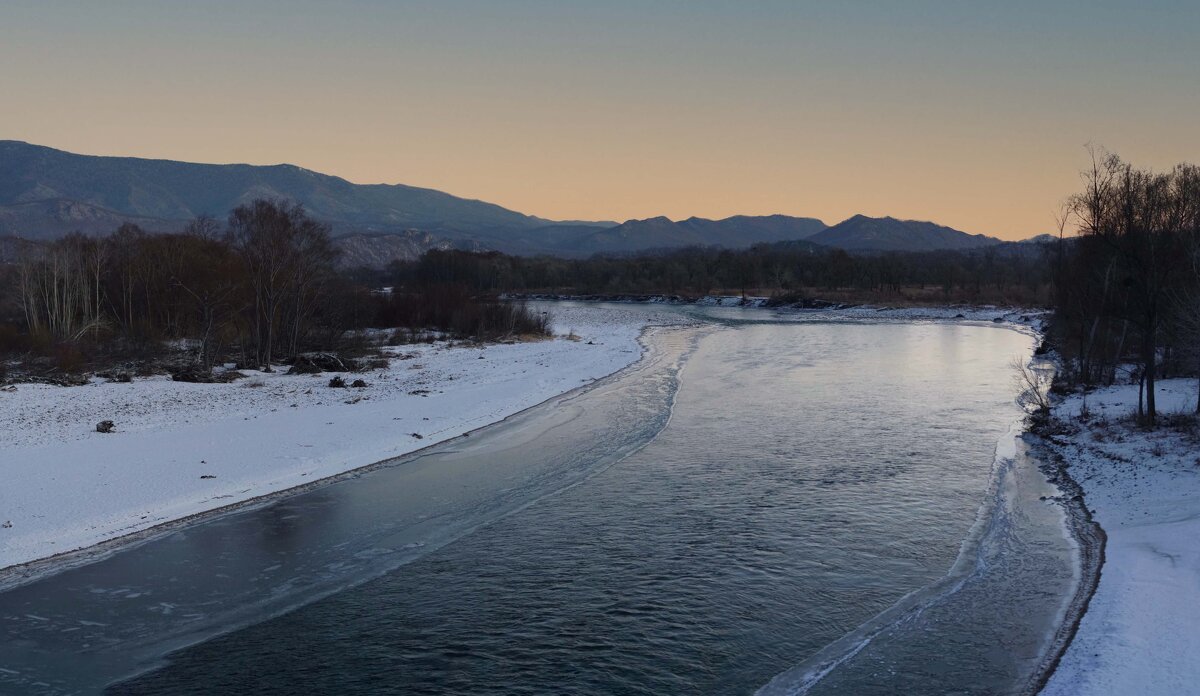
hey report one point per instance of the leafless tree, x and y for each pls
(204, 227)
(285, 253)
(211, 283)
(1139, 217)
(59, 288)
(1187, 298)
(1033, 384)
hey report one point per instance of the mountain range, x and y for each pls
(47, 193)
(166, 190)
(862, 233)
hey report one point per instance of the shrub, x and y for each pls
(68, 358)
(1033, 384)
(451, 309)
(409, 336)
(376, 364)
(12, 340)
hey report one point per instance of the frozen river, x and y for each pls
(838, 507)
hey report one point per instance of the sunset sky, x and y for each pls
(947, 111)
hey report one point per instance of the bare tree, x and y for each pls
(1033, 384)
(210, 281)
(205, 227)
(59, 288)
(1138, 216)
(284, 252)
(1187, 299)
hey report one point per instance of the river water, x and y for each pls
(757, 505)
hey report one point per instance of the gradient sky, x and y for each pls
(969, 116)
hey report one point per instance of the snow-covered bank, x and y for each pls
(1140, 633)
(180, 449)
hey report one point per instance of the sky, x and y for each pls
(969, 114)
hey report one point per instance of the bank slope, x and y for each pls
(1141, 632)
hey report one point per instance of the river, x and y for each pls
(756, 505)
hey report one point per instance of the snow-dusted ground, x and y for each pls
(181, 449)
(1141, 632)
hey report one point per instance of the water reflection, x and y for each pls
(808, 479)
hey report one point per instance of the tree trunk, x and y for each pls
(1151, 358)
(1112, 375)
(270, 340)
(1141, 413)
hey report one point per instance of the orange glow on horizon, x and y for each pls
(975, 120)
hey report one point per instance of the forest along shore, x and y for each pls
(1142, 487)
(178, 449)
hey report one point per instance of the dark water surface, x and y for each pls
(708, 522)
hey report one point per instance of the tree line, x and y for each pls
(1014, 274)
(258, 290)
(1127, 290)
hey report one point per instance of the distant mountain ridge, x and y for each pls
(165, 190)
(732, 232)
(862, 233)
(46, 194)
(736, 232)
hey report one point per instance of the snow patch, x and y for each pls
(1139, 635)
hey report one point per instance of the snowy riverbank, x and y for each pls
(1139, 634)
(180, 449)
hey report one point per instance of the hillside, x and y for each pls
(377, 250)
(53, 218)
(47, 193)
(160, 192)
(736, 232)
(862, 233)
